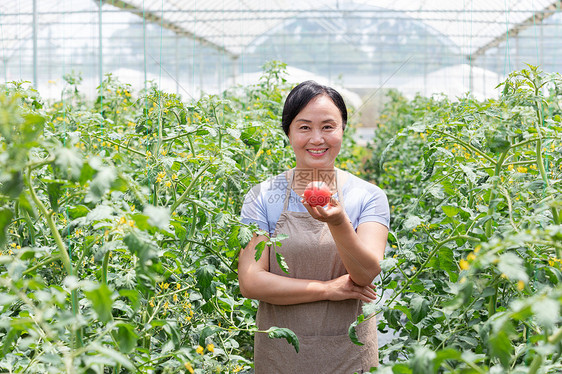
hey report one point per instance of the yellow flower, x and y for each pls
(520, 285)
(151, 303)
(168, 184)
(13, 245)
(510, 167)
(477, 249)
(521, 169)
(237, 368)
(199, 349)
(162, 175)
(174, 176)
(471, 257)
(189, 367)
(175, 298)
(178, 286)
(464, 265)
(211, 347)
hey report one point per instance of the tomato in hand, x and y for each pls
(317, 194)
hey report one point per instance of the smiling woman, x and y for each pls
(333, 252)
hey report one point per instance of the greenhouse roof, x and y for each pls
(230, 26)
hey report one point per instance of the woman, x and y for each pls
(333, 253)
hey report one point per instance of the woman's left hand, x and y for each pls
(332, 213)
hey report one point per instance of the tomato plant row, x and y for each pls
(120, 230)
(473, 274)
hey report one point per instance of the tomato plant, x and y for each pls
(119, 225)
(473, 271)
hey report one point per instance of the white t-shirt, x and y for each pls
(363, 202)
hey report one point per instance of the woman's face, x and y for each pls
(316, 134)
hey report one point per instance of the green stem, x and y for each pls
(191, 231)
(556, 337)
(535, 364)
(492, 302)
(189, 188)
(41, 264)
(52, 226)
(160, 121)
(62, 250)
(497, 170)
(429, 257)
(104, 266)
(466, 145)
(120, 145)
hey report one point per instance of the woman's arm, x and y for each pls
(256, 282)
(360, 251)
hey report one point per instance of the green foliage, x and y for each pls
(119, 226)
(474, 265)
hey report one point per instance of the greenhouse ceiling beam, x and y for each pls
(537, 17)
(154, 18)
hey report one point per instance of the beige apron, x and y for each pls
(322, 326)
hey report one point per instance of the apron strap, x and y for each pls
(339, 177)
(288, 191)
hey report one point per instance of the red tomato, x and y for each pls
(317, 194)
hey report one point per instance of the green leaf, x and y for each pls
(32, 128)
(281, 262)
(54, 190)
(282, 332)
(5, 221)
(547, 312)
(444, 260)
(512, 266)
(419, 307)
(352, 331)
(69, 162)
(133, 296)
(87, 172)
(100, 184)
(101, 302)
(501, 347)
(126, 337)
(157, 216)
(206, 332)
(117, 357)
(143, 249)
(233, 238)
(11, 184)
(78, 211)
(204, 277)
(244, 236)
(412, 222)
(450, 211)
(259, 249)
(422, 362)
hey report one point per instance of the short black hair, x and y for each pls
(301, 95)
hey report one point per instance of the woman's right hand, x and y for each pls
(343, 288)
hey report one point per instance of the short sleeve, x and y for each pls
(375, 208)
(254, 209)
